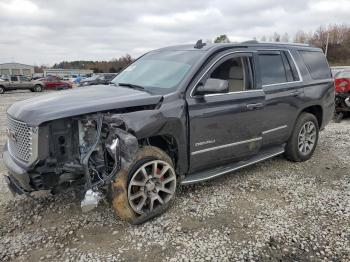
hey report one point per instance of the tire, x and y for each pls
(303, 140)
(38, 88)
(132, 182)
(2, 90)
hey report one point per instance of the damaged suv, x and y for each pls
(176, 116)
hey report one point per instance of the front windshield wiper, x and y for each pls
(131, 86)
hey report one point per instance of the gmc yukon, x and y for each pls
(176, 116)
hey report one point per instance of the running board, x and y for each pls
(216, 172)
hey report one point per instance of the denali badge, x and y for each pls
(205, 143)
(11, 134)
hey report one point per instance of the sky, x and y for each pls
(49, 31)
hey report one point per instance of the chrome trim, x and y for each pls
(34, 137)
(231, 53)
(226, 145)
(273, 129)
(233, 169)
(236, 92)
(246, 91)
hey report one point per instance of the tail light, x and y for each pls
(342, 85)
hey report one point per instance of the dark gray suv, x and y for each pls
(176, 116)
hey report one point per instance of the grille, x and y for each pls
(20, 139)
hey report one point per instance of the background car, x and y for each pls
(342, 94)
(100, 79)
(54, 83)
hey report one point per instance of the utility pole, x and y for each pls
(326, 51)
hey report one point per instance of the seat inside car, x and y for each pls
(232, 71)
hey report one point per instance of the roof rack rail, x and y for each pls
(273, 43)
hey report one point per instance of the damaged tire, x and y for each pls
(147, 188)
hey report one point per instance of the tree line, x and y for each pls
(112, 66)
(338, 52)
(338, 36)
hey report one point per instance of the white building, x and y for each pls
(67, 72)
(16, 69)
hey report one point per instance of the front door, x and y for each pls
(226, 127)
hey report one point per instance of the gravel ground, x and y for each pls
(276, 210)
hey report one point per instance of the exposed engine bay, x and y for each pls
(86, 152)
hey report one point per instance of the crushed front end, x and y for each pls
(83, 152)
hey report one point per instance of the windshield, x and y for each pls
(159, 71)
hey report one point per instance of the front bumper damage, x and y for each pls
(17, 179)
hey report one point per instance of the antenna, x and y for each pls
(199, 44)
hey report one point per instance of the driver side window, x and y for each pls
(234, 71)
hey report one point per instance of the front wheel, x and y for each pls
(302, 143)
(147, 188)
(2, 90)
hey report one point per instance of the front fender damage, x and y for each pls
(121, 147)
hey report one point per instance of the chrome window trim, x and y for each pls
(295, 64)
(246, 91)
(274, 129)
(225, 146)
(211, 66)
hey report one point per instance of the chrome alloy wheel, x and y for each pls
(151, 186)
(307, 138)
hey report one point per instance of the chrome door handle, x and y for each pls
(254, 106)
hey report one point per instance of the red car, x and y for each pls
(342, 94)
(54, 83)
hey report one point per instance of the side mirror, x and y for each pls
(212, 86)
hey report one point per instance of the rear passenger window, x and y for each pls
(316, 63)
(272, 69)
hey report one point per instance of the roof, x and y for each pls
(13, 63)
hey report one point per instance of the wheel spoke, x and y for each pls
(166, 190)
(169, 179)
(136, 195)
(141, 203)
(154, 169)
(137, 183)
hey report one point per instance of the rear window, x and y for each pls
(343, 74)
(272, 69)
(317, 64)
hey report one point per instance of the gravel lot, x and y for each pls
(276, 210)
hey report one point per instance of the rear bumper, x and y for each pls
(18, 178)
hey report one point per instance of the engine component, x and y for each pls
(91, 200)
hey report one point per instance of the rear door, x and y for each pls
(14, 83)
(226, 127)
(282, 83)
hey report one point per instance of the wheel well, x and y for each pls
(316, 111)
(167, 143)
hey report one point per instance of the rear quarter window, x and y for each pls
(316, 64)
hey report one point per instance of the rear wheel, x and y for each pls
(2, 90)
(302, 143)
(38, 88)
(147, 188)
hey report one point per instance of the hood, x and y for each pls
(56, 105)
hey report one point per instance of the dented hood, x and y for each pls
(55, 105)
